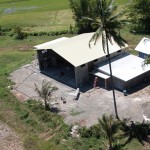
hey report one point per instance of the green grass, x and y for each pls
(30, 119)
(45, 15)
(39, 21)
(34, 5)
(50, 15)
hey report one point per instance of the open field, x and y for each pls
(39, 21)
(36, 15)
(25, 6)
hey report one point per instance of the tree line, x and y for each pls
(137, 15)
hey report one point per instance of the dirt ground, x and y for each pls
(9, 139)
(90, 105)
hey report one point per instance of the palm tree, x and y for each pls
(147, 60)
(109, 127)
(109, 25)
(46, 92)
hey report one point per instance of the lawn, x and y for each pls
(37, 15)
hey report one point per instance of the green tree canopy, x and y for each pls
(139, 15)
(82, 8)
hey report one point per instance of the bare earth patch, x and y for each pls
(9, 139)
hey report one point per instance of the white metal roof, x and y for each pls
(99, 74)
(40, 46)
(144, 46)
(125, 68)
(76, 49)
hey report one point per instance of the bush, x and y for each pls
(3, 31)
(18, 34)
(94, 131)
(51, 33)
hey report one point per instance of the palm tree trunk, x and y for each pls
(110, 143)
(111, 76)
(46, 105)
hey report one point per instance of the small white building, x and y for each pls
(127, 70)
(143, 48)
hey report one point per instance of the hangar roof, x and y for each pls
(76, 50)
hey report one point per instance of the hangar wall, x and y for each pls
(125, 85)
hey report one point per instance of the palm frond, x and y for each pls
(38, 91)
(147, 60)
(104, 42)
(46, 90)
(96, 36)
(118, 39)
(111, 8)
(89, 19)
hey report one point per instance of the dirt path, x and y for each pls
(9, 139)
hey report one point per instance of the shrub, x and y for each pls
(18, 34)
(51, 33)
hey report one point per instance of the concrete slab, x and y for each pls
(20, 75)
(90, 106)
(26, 90)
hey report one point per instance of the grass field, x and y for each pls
(37, 15)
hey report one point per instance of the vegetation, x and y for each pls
(109, 25)
(82, 8)
(109, 127)
(147, 60)
(18, 34)
(120, 134)
(46, 93)
(36, 16)
(138, 14)
(34, 125)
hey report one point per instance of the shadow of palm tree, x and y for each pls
(118, 146)
(139, 131)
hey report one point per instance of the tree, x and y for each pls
(109, 23)
(109, 127)
(82, 8)
(46, 92)
(147, 60)
(139, 15)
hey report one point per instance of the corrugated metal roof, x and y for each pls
(144, 46)
(76, 49)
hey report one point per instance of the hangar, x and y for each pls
(72, 61)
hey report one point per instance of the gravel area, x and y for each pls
(91, 104)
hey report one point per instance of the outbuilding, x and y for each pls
(127, 70)
(143, 48)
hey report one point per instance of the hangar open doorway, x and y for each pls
(53, 65)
